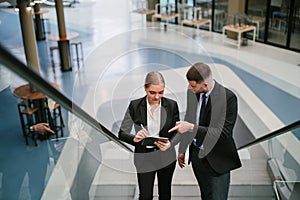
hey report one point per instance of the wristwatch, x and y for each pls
(31, 129)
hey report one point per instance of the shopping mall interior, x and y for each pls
(83, 62)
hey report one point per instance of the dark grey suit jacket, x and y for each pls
(136, 115)
(216, 130)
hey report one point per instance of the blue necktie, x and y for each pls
(203, 104)
(201, 117)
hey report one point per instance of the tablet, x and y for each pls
(149, 141)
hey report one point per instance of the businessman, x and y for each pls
(207, 130)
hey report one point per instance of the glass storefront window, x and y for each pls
(278, 17)
(257, 16)
(182, 5)
(295, 27)
(221, 13)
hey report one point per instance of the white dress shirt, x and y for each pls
(153, 119)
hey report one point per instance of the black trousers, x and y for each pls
(164, 179)
(213, 186)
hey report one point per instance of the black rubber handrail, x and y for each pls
(13, 63)
(273, 134)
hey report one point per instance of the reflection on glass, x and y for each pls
(257, 14)
(278, 17)
(220, 15)
(284, 151)
(167, 7)
(220, 12)
(26, 169)
(295, 27)
(51, 104)
(184, 4)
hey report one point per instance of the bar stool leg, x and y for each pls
(58, 116)
(55, 123)
(51, 120)
(31, 123)
(53, 48)
(76, 49)
(28, 113)
(55, 118)
(81, 53)
(61, 121)
(23, 126)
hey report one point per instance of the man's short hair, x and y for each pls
(199, 72)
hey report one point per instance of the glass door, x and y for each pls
(182, 5)
(220, 14)
(173, 8)
(277, 21)
(278, 18)
(284, 26)
(219, 11)
(295, 26)
(256, 12)
(206, 8)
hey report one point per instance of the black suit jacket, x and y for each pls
(216, 130)
(136, 115)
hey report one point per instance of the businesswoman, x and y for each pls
(152, 115)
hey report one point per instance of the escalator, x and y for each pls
(91, 173)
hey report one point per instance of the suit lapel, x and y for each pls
(163, 113)
(212, 97)
(143, 111)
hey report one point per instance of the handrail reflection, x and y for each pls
(40, 84)
(273, 134)
(12, 63)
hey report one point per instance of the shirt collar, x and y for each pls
(148, 105)
(212, 87)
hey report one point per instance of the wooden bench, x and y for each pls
(193, 16)
(165, 12)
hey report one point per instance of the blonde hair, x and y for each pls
(154, 78)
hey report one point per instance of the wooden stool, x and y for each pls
(58, 119)
(27, 119)
(53, 48)
(21, 106)
(46, 26)
(55, 119)
(76, 45)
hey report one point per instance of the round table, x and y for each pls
(64, 48)
(35, 98)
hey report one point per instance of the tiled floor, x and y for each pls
(119, 49)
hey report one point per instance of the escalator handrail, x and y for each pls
(14, 64)
(273, 134)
